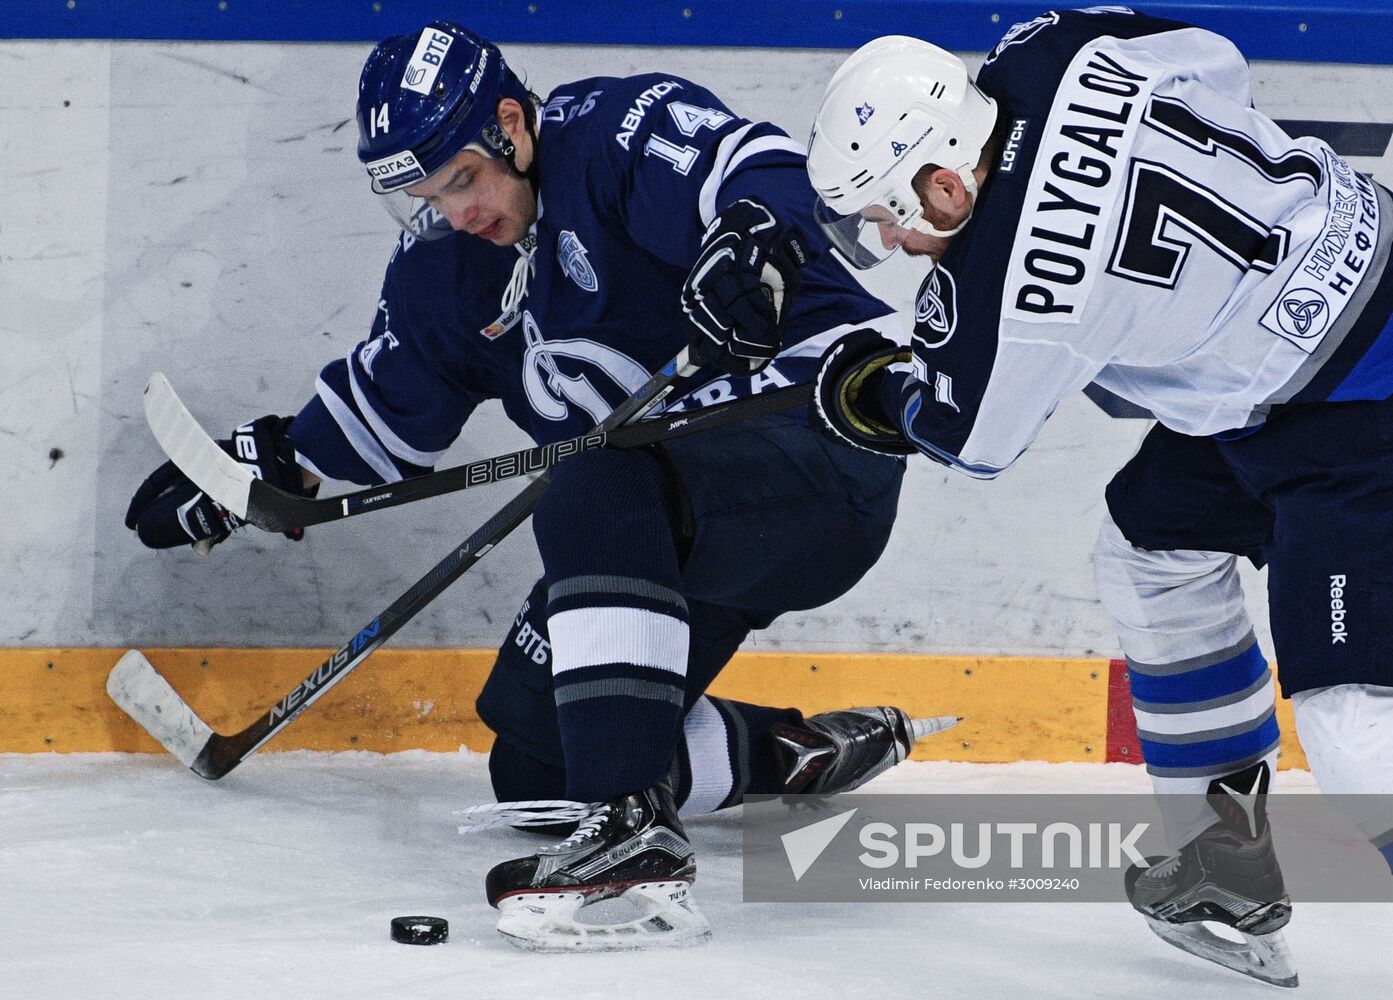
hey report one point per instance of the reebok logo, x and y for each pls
(805, 845)
(1338, 633)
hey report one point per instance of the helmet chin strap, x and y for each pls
(508, 153)
(532, 175)
(500, 145)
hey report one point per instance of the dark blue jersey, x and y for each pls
(399, 399)
(632, 172)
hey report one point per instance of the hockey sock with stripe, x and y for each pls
(617, 621)
(1201, 718)
(726, 753)
(1202, 693)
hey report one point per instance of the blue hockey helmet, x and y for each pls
(424, 97)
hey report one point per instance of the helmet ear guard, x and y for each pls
(895, 105)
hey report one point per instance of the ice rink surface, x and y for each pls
(128, 878)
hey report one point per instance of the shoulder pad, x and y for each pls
(616, 110)
(1072, 28)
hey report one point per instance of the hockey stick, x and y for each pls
(228, 482)
(137, 687)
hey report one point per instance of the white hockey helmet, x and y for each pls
(896, 104)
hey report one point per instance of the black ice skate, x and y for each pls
(1228, 874)
(632, 847)
(839, 751)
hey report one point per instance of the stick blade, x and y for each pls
(139, 691)
(196, 454)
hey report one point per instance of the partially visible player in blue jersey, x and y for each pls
(1105, 205)
(556, 253)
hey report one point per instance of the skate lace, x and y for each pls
(524, 813)
(588, 826)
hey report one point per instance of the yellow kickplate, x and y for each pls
(406, 699)
(401, 699)
(1012, 708)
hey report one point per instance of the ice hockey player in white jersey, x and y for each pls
(1105, 205)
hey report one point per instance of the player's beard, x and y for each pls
(922, 244)
(932, 246)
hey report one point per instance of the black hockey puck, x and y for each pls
(420, 930)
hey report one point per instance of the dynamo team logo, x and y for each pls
(572, 255)
(576, 375)
(864, 112)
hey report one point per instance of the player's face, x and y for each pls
(945, 204)
(894, 236)
(478, 194)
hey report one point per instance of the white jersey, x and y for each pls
(1146, 229)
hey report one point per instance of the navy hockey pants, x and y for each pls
(771, 517)
(1310, 495)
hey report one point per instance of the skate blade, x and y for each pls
(548, 921)
(919, 728)
(1262, 956)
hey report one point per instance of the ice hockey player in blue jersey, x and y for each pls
(555, 253)
(1105, 205)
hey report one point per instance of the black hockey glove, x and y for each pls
(169, 510)
(740, 290)
(848, 406)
